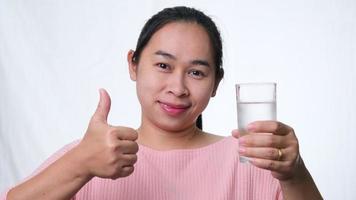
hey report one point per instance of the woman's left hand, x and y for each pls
(271, 145)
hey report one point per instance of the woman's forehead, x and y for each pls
(183, 40)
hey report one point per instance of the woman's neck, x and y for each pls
(160, 139)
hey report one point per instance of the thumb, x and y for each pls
(103, 109)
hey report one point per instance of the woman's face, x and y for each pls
(175, 76)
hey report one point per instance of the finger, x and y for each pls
(239, 133)
(123, 133)
(261, 152)
(262, 140)
(274, 127)
(235, 133)
(129, 159)
(103, 109)
(127, 170)
(123, 171)
(271, 165)
(127, 147)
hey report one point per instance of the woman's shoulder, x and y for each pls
(217, 142)
(210, 138)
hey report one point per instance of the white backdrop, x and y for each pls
(54, 55)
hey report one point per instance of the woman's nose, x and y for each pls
(177, 85)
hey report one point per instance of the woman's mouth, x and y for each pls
(173, 109)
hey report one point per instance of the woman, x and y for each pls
(177, 68)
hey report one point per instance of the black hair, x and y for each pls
(183, 14)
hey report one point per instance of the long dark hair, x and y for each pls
(185, 14)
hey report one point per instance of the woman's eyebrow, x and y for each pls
(165, 54)
(200, 62)
(172, 57)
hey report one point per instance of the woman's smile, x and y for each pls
(174, 109)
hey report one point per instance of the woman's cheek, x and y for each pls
(203, 96)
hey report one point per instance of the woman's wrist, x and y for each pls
(301, 185)
(77, 164)
(300, 176)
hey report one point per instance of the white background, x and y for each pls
(54, 55)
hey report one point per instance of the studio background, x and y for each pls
(55, 55)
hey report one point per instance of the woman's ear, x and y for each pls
(215, 87)
(218, 78)
(132, 65)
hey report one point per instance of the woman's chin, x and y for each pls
(174, 125)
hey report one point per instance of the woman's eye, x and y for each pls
(197, 74)
(162, 65)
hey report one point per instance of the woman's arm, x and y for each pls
(105, 151)
(61, 180)
(301, 186)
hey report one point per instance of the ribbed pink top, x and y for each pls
(212, 172)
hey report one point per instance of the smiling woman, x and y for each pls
(177, 69)
(175, 78)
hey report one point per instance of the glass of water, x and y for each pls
(255, 102)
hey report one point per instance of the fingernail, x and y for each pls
(235, 133)
(242, 150)
(251, 127)
(241, 141)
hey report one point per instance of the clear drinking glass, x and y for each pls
(255, 101)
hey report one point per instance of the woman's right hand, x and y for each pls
(107, 151)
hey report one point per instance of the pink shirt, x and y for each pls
(212, 172)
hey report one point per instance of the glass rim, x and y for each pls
(256, 83)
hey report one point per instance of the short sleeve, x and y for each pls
(279, 194)
(4, 195)
(45, 164)
(54, 157)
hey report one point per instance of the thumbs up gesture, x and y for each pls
(107, 151)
